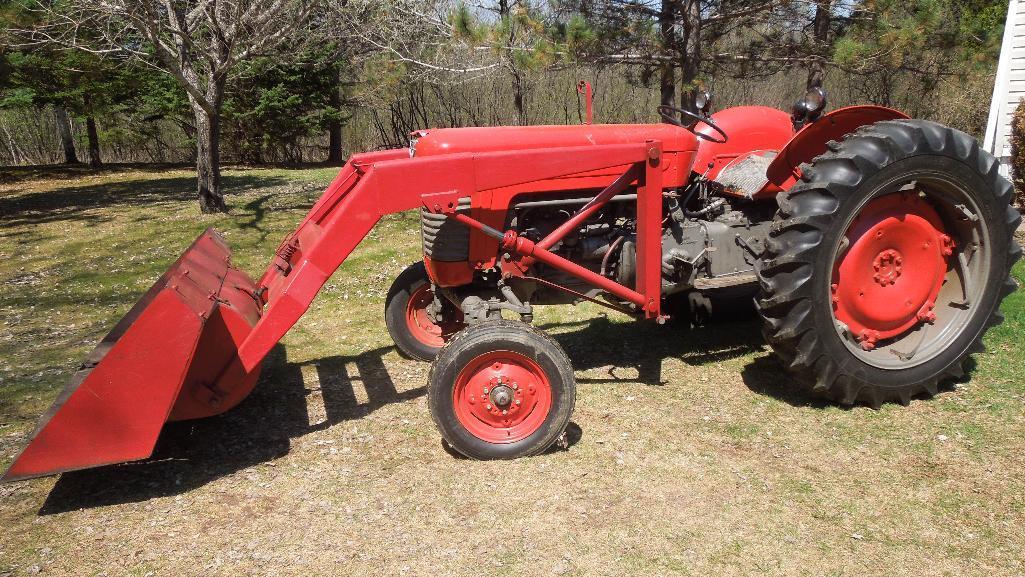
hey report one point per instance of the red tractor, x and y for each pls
(877, 250)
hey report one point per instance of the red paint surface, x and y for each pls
(448, 274)
(647, 295)
(154, 365)
(584, 88)
(523, 379)
(510, 138)
(421, 325)
(811, 140)
(390, 181)
(887, 281)
(750, 129)
(193, 345)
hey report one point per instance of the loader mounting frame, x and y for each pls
(229, 326)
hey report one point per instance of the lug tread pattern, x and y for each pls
(809, 209)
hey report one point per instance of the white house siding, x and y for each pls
(1009, 86)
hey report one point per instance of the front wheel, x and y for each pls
(885, 266)
(501, 390)
(412, 313)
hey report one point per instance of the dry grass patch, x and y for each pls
(692, 457)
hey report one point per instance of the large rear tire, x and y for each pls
(887, 262)
(410, 316)
(501, 390)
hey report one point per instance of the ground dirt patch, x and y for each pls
(691, 456)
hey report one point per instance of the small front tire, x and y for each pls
(501, 390)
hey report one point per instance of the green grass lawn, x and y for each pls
(692, 457)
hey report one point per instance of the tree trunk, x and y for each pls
(505, 12)
(208, 161)
(667, 29)
(66, 137)
(334, 127)
(334, 144)
(94, 142)
(820, 26)
(691, 57)
(517, 86)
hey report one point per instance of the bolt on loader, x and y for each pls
(876, 248)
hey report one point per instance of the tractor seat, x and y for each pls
(745, 174)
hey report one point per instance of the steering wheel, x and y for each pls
(666, 112)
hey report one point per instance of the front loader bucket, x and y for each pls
(173, 356)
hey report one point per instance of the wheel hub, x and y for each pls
(502, 397)
(887, 280)
(887, 267)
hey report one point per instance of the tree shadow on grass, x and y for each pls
(600, 343)
(190, 454)
(256, 211)
(71, 172)
(78, 203)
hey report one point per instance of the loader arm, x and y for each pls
(371, 186)
(192, 347)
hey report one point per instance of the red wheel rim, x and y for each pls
(887, 280)
(502, 397)
(421, 324)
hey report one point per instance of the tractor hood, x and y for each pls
(454, 140)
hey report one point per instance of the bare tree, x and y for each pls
(198, 42)
(505, 8)
(442, 42)
(683, 40)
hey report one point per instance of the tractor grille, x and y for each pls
(445, 240)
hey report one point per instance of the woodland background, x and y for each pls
(303, 81)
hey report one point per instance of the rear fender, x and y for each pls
(811, 140)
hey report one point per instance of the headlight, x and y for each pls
(809, 107)
(815, 102)
(703, 102)
(415, 137)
